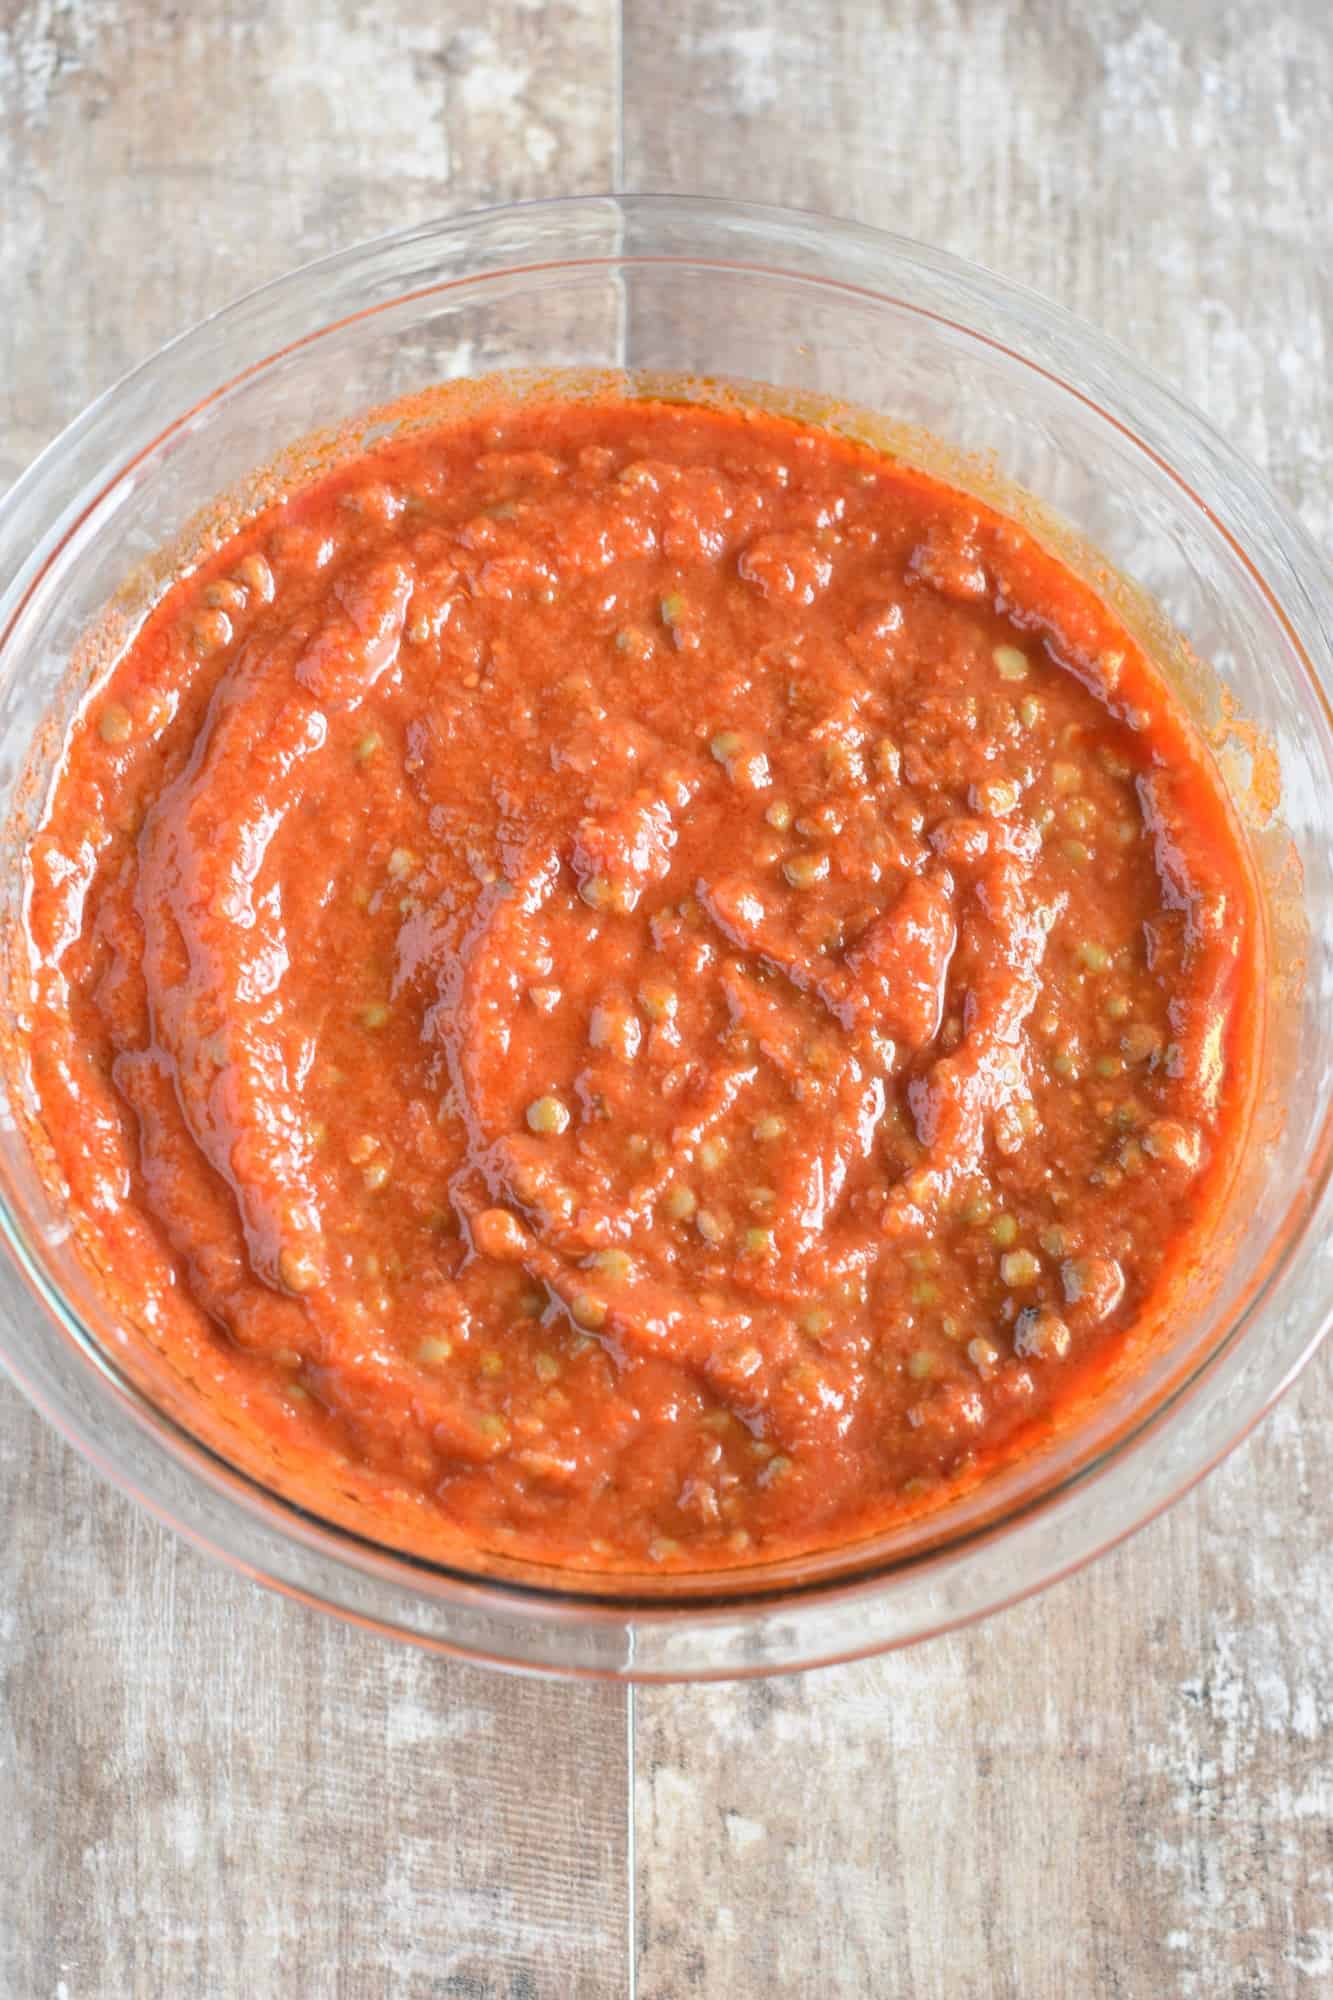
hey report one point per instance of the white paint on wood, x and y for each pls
(1122, 1789)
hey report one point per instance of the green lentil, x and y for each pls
(613, 1027)
(680, 1202)
(998, 797)
(1019, 1268)
(1140, 1043)
(615, 1264)
(778, 815)
(1094, 956)
(760, 1243)
(921, 1365)
(547, 1368)
(588, 1311)
(1004, 1230)
(374, 1015)
(816, 1321)
(1167, 1139)
(600, 892)
(658, 1000)
(749, 772)
(433, 1349)
(1074, 1277)
(842, 765)
(492, 1364)
(256, 575)
(547, 1115)
(804, 870)
(711, 1227)
(1010, 664)
(1041, 1334)
(116, 724)
(211, 631)
(770, 1126)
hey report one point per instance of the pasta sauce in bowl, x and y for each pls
(654, 986)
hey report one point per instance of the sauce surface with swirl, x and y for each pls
(651, 987)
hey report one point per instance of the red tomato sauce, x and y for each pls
(651, 984)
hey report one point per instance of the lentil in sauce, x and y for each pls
(656, 983)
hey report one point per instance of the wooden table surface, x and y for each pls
(1120, 1789)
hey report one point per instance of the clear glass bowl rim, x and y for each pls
(517, 1625)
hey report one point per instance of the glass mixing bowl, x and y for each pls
(977, 379)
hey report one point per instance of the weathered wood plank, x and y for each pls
(1123, 1788)
(156, 161)
(210, 1790)
(206, 1790)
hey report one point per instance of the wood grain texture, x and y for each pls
(204, 1790)
(210, 1791)
(1124, 1788)
(158, 159)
